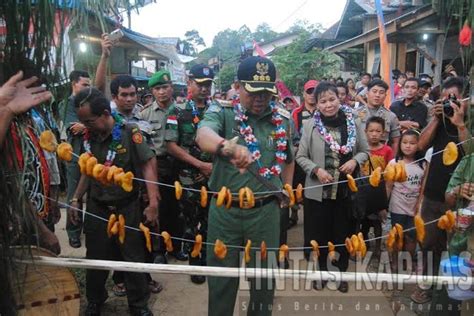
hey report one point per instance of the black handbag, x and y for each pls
(369, 199)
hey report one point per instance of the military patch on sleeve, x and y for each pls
(284, 113)
(172, 119)
(137, 138)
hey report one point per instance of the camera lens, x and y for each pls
(447, 109)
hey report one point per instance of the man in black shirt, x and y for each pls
(439, 131)
(411, 113)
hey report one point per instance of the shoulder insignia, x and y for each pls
(146, 107)
(172, 119)
(284, 113)
(137, 138)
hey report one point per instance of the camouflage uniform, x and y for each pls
(181, 128)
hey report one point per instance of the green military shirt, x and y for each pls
(68, 112)
(134, 152)
(181, 126)
(221, 119)
(156, 116)
(392, 125)
(463, 174)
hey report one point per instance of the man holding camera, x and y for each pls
(446, 126)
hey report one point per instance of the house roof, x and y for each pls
(153, 44)
(387, 5)
(279, 37)
(355, 11)
(168, 40)
(392, 26)
(324, 39)
(271, 46)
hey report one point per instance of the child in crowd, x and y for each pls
(404, 196)
(375, 203)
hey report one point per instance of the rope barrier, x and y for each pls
(229, 246)
(465, 281)
(279, 191)
(67, 206)
(305, 188)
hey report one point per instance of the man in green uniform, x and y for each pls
(194, 166)
(113, 142)
(155, 114)
(271, 152)
(73, 129)
(124, 95)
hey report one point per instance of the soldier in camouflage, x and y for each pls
(194, 166)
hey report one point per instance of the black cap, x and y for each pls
(201, 73)
(257, 74)
(425, 81)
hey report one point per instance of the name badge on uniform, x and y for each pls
(120, 149)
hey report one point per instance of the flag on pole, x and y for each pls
(258, 49)
(384, 53)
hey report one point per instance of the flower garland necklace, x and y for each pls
(251, 141)
(351, 131)
(116, 139)
(195, 110)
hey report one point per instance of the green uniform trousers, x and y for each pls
(235, 226)
(100, 246)
(73, 175)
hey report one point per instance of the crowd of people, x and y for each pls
(341, 128)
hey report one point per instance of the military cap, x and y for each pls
(425, 81)
(257, 74)
(201, 73)
(160, 77)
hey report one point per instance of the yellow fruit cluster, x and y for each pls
(106, 175)
(116, 226)
(356, 246)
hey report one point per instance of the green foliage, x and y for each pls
(227, 43)
(264, 33)
(191, 42)
(304, 26)
(296, 67)
(226, 77)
